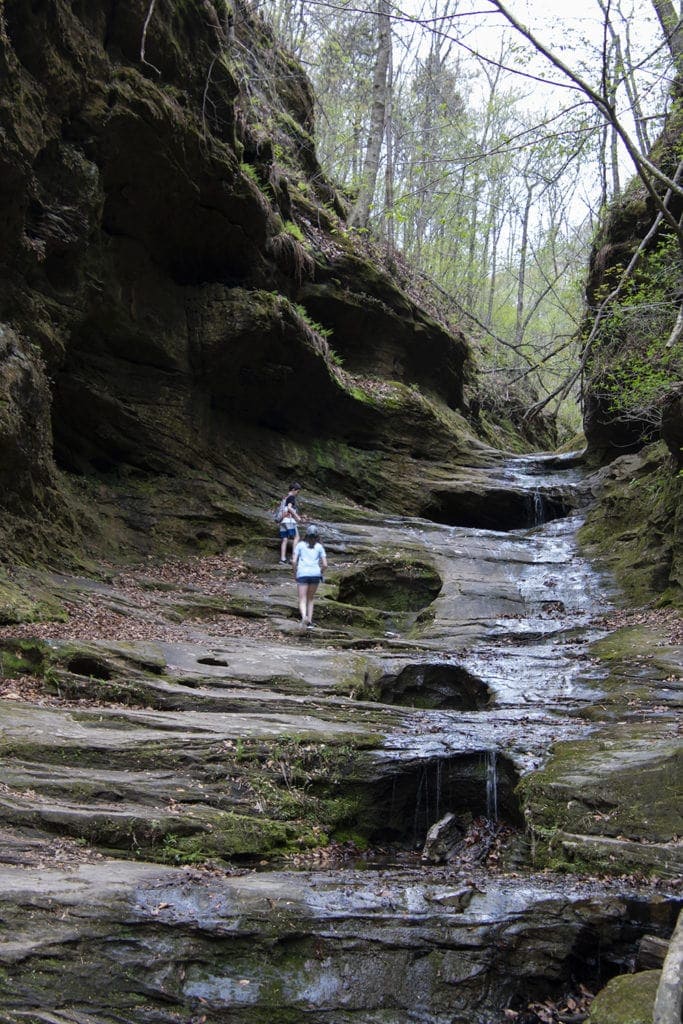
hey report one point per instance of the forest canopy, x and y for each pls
(486, 153)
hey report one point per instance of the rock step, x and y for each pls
(89, 786)
(170, 833)
(602, 853)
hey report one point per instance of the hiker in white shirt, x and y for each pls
(309, 560)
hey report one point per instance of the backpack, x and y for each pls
(279, 512)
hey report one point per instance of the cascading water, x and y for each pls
(491, 785)
(538, 508)
(489, 679)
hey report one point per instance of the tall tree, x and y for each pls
(381, 86)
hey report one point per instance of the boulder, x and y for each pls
(626, 999)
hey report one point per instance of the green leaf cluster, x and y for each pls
(634, 364)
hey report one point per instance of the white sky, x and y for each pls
(573, 29)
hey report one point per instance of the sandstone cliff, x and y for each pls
(182, 312)
(633, 397)
(632, 383)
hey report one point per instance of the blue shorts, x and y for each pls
(285, 531)
(308, 579)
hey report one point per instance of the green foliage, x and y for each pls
(294, 230)
(633, 366)
(324, 332)
(637, 381)
(249, 171)
(290, 125)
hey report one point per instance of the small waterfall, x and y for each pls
(439, 774)
(537, 508)
(427, 799)
(421, 806)
(492, 785)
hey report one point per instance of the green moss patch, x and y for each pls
(636, 527)
(621, 784)
(626, 999)
(239, 837)
(17, 604)
(397, 585)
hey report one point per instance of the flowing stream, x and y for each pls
(476, 661)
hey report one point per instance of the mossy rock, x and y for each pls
(615, 785)
(626, 999)
(23, 657)
(240, 837)
(338, 613)
(636, 527)
(19, 605)
(396, 585)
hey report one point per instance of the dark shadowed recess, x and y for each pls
(499, 510)
(409, 798)
(87, 665)
(432, 686)
(392, 586)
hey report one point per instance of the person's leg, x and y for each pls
(288, 535)
(310, 595)
(303, 603)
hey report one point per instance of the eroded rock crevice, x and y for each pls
(407, 800)
(499, 509)
(435, 685)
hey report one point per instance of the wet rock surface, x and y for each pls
(389, 947)
(500, 698)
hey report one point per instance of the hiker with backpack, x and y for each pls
(288, 517)
(309, 560)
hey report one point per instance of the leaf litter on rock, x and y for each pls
(130, 611)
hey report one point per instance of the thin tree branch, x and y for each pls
(143, 41)
(563, 389)
(640, 161)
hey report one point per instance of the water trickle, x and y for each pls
(439, 775)
(491, 785)
(538, 507)
(421, 805)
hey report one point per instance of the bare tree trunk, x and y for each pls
(389, 235)
(642, 135)
(672, 27)
(493, 273)
(614, 160)
(521, 280)
(604, 187)
(360, 215)
(615, 67)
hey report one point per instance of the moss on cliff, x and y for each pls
(636, 526)
(177, 369)
(634, 361)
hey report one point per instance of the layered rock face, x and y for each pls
(633, 412)
(177, 290)
(630, 393)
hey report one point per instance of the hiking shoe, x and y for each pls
(284, 561)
